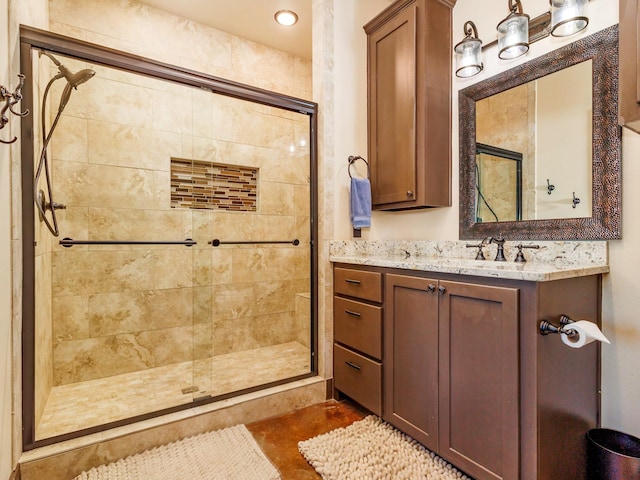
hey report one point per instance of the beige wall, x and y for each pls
(34, 13)
(563, 152)
(5, 262)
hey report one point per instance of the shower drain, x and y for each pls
(191, 389)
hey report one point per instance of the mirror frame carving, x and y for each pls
(605, 222)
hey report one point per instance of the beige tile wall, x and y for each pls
(509, 122)
(118, 309)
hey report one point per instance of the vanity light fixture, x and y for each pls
(286, 17)
(517, 32)
(469, 52)
(513, 32)
(568, 17)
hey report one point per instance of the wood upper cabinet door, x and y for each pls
(409, 100)
(393, 109)
(629, 81)
(479, 379)
(410, 395)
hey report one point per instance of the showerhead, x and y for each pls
(73, 79)
(77, 78)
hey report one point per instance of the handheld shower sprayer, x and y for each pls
(73, 79)
(40, 199)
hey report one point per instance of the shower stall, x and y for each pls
(169, 225)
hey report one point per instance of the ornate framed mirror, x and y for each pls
(560, 113)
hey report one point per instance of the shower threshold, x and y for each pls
(92, 403)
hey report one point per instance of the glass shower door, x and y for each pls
(183, 269)
(252, 276)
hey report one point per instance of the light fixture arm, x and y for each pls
(515, 6)
(470, 30)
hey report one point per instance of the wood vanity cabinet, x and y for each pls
(357, 352)
(451, 370)
(466, 372)
(629, 57)
(409, 100)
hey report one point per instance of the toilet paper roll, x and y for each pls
(587, 332)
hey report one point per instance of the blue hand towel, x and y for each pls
(360, 202)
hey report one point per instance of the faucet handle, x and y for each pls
(479, 246)
(520, 256)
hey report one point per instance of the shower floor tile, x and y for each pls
(87, 404)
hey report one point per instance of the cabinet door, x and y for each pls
(392, 109)
(410, 398)
(479, 394)
(629, 83)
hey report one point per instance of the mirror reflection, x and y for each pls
(534, 149)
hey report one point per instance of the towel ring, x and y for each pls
(352, 159)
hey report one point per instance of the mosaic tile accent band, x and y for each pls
(214, 186)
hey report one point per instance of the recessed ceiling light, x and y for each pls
(286, 17)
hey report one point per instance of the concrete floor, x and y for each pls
(279, 436)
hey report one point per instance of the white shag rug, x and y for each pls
(372, 449)
(228, 454)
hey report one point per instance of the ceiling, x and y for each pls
(250, 19)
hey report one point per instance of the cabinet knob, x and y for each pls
(441, 290)
(431, 288)
(410, 193)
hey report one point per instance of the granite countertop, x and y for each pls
(553, 260)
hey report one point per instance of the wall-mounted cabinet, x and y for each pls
(465, 371)
(629, 81)
(409, 99)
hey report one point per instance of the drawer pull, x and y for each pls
(353, 282)
(353, 314)
(353, 365)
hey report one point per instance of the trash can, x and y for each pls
(612, 455)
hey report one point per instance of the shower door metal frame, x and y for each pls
(32, 39)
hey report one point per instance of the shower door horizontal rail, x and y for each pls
(69, 242)
(216, 242)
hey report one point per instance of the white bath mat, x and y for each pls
(229, 454)
(373, 449)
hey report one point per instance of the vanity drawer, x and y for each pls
(358, 377)
(358, 283)
(358, 325)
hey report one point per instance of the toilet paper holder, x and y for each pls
(547, 327)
